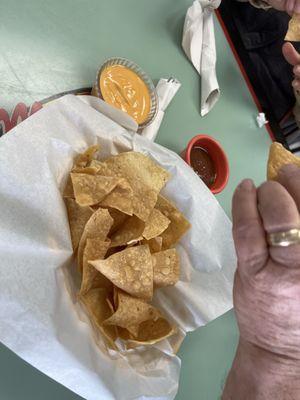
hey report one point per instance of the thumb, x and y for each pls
(290, 54)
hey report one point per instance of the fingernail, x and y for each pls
(246, 184)
(288, 169)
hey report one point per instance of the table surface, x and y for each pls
(48, 47)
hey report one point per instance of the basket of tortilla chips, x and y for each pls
(123, 233)
(112, 250)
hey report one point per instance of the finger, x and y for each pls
(296, 71)
(279, 213)
(290, 54)
(290, 6)
(297, 7)
(248, 232)
(289, 177)
(296, 84)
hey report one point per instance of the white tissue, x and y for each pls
(166, 90)
(198, 42)
(261, 120)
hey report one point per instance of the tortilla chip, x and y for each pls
(95, 249)
(153, 331)
(166, 268)
(179, 224)
(85, 170)
(130, 270)
(99, 310)
(124, 333)
(78, 217)
(68, 190)
(130, 231)
(131, 312)
(155, 225)
(115, 297)
(155, 244)
(85, 158)
(278, 157)
(120, 198)
(119, 219)
(293, 33)
(91, 189)
(98, 165)
(102, 168)
(144, 176)
(98, 227)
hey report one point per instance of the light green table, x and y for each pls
(51, 46)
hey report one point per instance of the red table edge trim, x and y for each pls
(242, 69)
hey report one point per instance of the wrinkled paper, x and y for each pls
(198, 43)
(166, 90)
(39, 320)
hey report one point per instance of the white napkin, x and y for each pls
(198, 42)
(40, 319)
(166, 90)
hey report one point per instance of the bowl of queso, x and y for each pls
(207, 158)
(124, 85)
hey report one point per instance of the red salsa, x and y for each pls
(203, 165)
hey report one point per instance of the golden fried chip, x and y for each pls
(155, 244)
(85, 170)
(81, 168)
(130, 270)
(166, 268)
(95, 249)
(131, 312)
(115, 297)
(293, 33)
(85, 158)
(97, 226)
(98, 165)
(178, 226)
(155, 224)
(278, 157)
(131, 231)
(78, 217)
(124, 333)
(91, 189)
(121, 197)
(102, 168)
(153, 331)
(144, 176)
(119, 219)
(98, 309)
(68, 190)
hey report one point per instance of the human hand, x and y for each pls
(267, 280)
(293, 58)
(266, 291)
(290, 6)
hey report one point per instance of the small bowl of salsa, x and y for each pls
(207, 158)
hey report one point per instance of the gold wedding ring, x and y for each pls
(284, 239)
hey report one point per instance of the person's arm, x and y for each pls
(289, 6)
(257, 374)
(266, 292)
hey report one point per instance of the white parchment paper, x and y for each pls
(39, 320)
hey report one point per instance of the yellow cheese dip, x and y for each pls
(123, 88)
